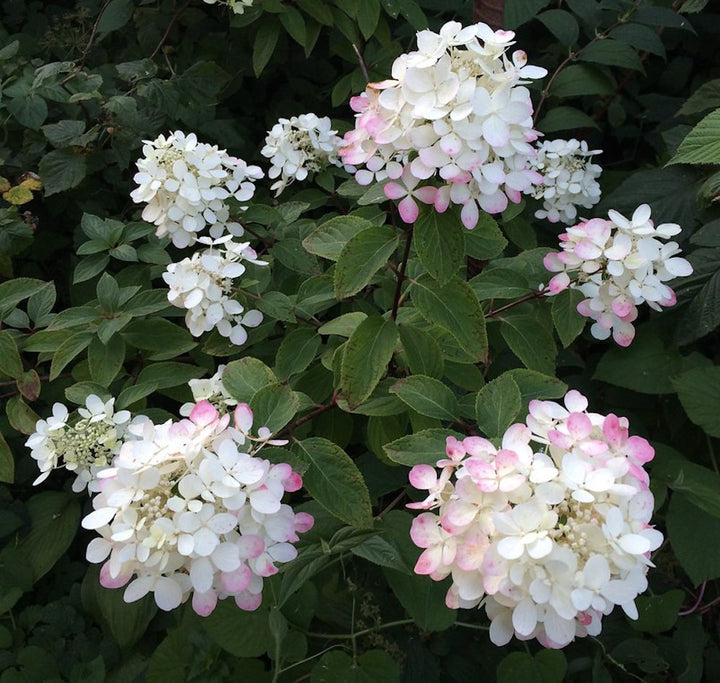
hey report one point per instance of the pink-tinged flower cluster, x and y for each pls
(455, 119)
(185, 184)
(203, 284)
(550, 531)
(188, 508)
(618, 264)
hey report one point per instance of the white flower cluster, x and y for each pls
(203, 284)
(237, 6)
(212, 390)
(618, 265)
(550, 532)
(85, 446)
(188, 508)
(455, 118)
(569, 179)
(299, 146)
(185, 184)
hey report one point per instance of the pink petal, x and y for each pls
(408, 209)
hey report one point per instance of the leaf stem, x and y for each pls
(401, 275)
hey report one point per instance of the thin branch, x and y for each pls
(171, 23)
(361, 61)
(306, 418)
(88, 47)
(540, 293)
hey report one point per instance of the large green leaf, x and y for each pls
(422, 352)
(14, 291)
(160, 337)
(702, 144)
(62, 169)
(7, 462)
(296, 352)
(547, 666)
(568, 322)
(68, 350)
(335, 482)
(455, 308)
(245, 377)
(274, 405)
(529, 340)
(581, 79)
(365, 358)
(241, 633)
(331, 237)
(10, 361)
(440, 242)
(422, 448)
(497, 405)
(612, 53)
(699, 393)
(373, 666)
(361, 258)
(105, 360)
(427, 396)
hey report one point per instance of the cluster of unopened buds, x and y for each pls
(186, 185)
(203, 285)
(549, 532)
(300, 146)
(182, 508)
(618, 264)
(453, 125)
(569, 179)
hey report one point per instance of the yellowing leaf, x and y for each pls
(18, 195)
(32, 182)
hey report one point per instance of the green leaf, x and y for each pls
(368, 15)
(547, 666)
(529, 340)
(169, 374)
(640, 37)
(658, 613)
(108, 293)
(568, 322)
(699, 393)
(702, 144)
(612, 53)
(335, 482)
(62, 169)
(14, 291)
(159, 336)
(109, 327)
(485, 240)
(105, 360)
(427, 396)
(361, 258)
(63, 133)
(707, 96)
(21, 416)
(422, 352)
(422, 448)
(7, 462)
(296, 352)
(702, 316)
(10, 361)
(536, 385)
(379, 551)
(68, 350)
(54, 518)
(645, 366)
(171, 659)
(440, 242)
(243, 378)
(115, 15)
(581, 79)
(133, 393)
(455, 308)
(29, 385)
(373, 666)
(318, 10)
(519, 12)
(423, 599)
(241, 633)
(264, 45)
(276, 305)
(274, 405)
(365, 358)
(78, 392)
(344, 325)
(30, 110)
(497, 405)
(294, 24)
(89, 267)
(683, 520)
(499, 283)
(561, 24)
(565, 118)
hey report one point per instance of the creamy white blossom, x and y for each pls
(299, 146)
(455, 118)
(204, 283)
(618, 264)
(186, 185)
(569, 179)
(550, 531)
(237, 6)
(188, 508)
(84, 444)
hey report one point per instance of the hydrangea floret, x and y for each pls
(203, 284)
(455, 118)
(189, 509)
(185, 184)
(300, 146)
(569, 179)
(550, 531)
(237, 6)
(618, 264)
(84, 443)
